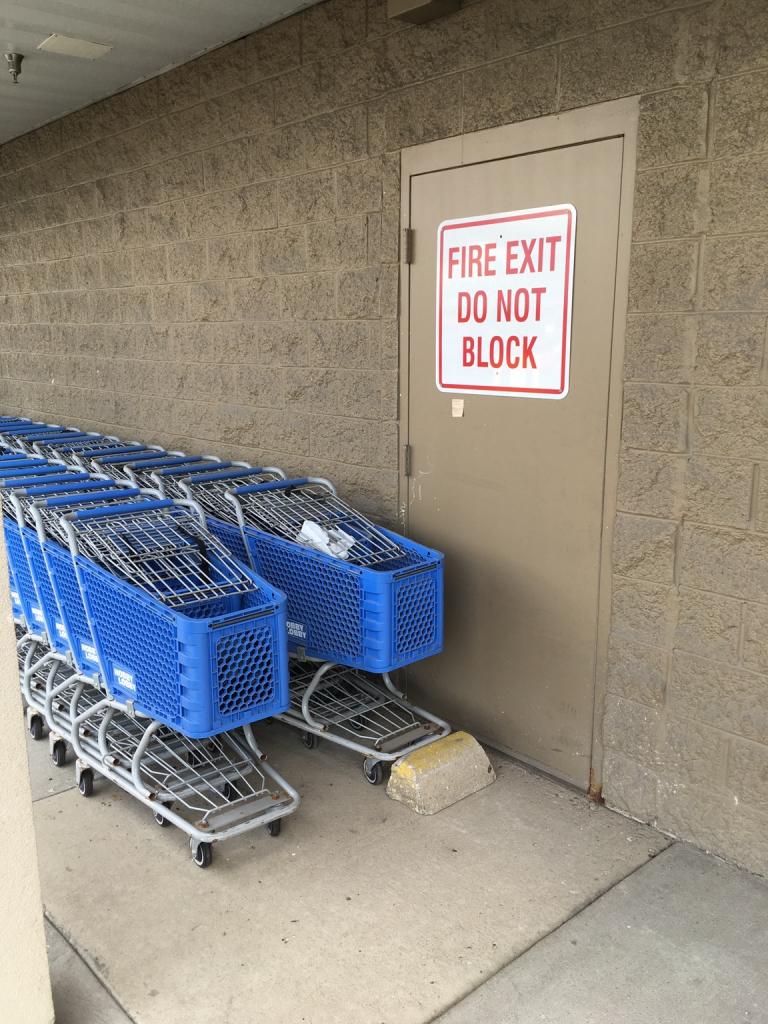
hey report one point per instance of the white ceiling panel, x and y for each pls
(146, 36)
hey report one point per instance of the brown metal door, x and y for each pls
(512, 491)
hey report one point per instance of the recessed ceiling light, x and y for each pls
(69, 47)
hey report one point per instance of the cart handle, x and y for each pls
(20, 480)
(66, 436)
(203, 476)
(22, 460)
(160, 462)
(124, 449)
(35, 469)
(34, 428)
(149, 455)
(181, 470)
(79, 482)
(104, 494)
(283, 485)
(39, 490)
(52, 433)
(120, 510)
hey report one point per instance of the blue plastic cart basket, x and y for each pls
(188, 635)
(379, 615)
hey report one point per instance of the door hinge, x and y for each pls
(408, 234)
(406, 460)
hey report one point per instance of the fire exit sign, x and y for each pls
(504, 292)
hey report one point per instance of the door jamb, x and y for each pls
(575, 127)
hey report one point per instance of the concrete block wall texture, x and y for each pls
(210, 261)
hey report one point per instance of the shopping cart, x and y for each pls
(24, 600)
(168, 480)
(212, 789)
(350, 619)
(22, 439)
(377, 608)
(119, 466)
(182, 630)
(209, 489)
(79, 452)
(37, 511)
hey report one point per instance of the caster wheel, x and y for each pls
(373, 772)
(202, 854)
(36, 727)
(160, 819)
(59, 753)
(274, 827)
(309, 740)
(229, 792)
(85, 785)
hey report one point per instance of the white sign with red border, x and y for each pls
(504, 294)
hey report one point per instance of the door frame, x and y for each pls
(615, 119)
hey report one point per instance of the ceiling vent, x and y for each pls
(69, 47)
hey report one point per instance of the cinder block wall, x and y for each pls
(209, 261)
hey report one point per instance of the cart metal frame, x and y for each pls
(349, 708)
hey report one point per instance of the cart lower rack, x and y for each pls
(211, 789)
(358, 712)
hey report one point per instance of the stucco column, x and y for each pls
(25, 989)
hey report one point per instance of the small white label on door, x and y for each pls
(457, 408)
(504, 289)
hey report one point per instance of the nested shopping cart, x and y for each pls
(24, 599)
(210, 488)
(182, 630)
(37, 509)
(81, 451)
(168, 480)
(22, 438)
(353, 617)
(121, 467)
(213, 787)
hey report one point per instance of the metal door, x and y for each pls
(512, 490)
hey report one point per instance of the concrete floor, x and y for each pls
(360, 912)
(364, 913)
(682, 939)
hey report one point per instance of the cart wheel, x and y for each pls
(202, 854)
(373, 772)
(273, 827)
(59, 753)
(309, 740)
(85, 785)
(159, 819)
(36, 727)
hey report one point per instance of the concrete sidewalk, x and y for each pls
(681, 940)
(365, 913)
